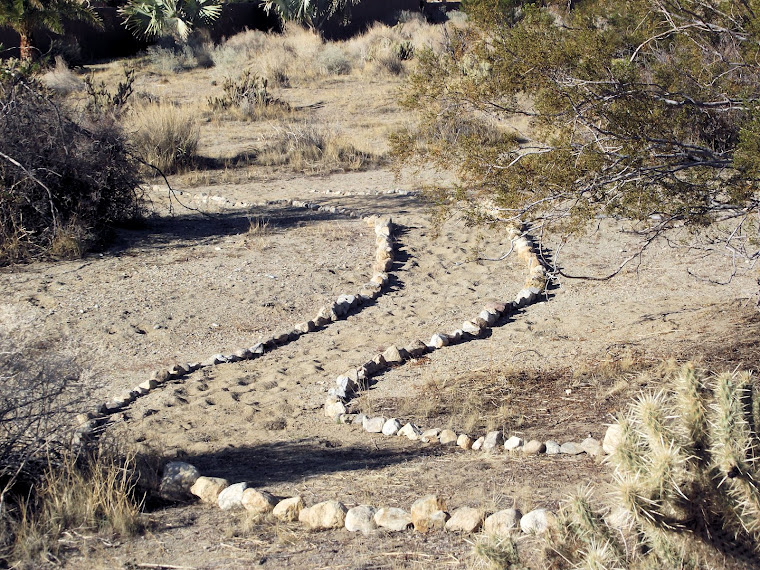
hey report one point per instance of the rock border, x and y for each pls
(183, 481)
(92, 423)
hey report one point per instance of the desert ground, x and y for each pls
(209, 275)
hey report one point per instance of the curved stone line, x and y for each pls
(91, 423)
(354, 381)
(181, 481)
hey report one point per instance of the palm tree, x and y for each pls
(151, 18)
(311, 13)
(24, 16)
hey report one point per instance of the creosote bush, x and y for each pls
(686, 477)
(59, 180)
(248, 97)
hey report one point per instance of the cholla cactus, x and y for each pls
(685, 468)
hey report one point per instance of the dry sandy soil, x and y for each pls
(194, 283)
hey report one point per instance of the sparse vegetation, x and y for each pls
(248, 97)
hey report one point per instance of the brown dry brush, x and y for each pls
(63, 185)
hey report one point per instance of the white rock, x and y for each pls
(570, 448)
(488, 317)
(534, 447)
(334, 409)
(392, 356)
(288, 509)
(493, 440)
(465, 519)
(502, 523)
(232, 496)
(537, 521)
(438, 340)
(410, 431)
(464, 441)
(393, 518)
(258, 502)
(477, 445)
(448, 437)
(552, 447)
(391, 427)
(513, 443)
(177, 480)
(374, 425)
(431, 434)
(207, 489)
(612, 438)
(328, 514)
(361, 519)
(423, 508)
(591, 446)
(471, 328)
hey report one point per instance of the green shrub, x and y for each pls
(57, 177)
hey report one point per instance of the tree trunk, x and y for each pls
(25, 44)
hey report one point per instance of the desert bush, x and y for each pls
(101, 102)
(685, 474)
(57, 175)
(312, 149)
(497, 553)
(164, 135)
(168, 60)
(248, 97)
(60, 79)
(334, 61)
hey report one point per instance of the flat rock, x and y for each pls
(361, 519)
(324, 515)
(393, 518)
(232, 496)
(258, 502)
(465, 519)
(570, 448)
(493, 440)
(423, 508)
(374, 425)
(288, 509)
(207, 489)
(592, 446)
(513, 443)
(537, 521)
(534, 447)
(391, 427)
(502, 523)
(431, 434)
(177, 480)
(448, 437)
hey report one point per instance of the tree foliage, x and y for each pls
(151, 18)
(311, 13)
(24, 16)
(646, 110)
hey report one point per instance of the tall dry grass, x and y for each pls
(164, 135)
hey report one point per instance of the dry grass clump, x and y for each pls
(312, 149)
(89, 494)
(496, 553)
(163, 135)
(61, 80)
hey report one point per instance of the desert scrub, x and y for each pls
(685, 475)
(164, 135)
(58, 178)
(313, 150)
(248, 98)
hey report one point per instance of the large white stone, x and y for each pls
(361, 519)
(393, 518)
(324, 515)
(502, 523)
(232, 496)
